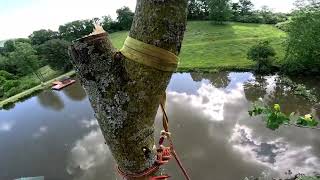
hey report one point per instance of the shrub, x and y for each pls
(284, 26)
(12, 92)
(302, 55)
(27, 84)
(7, 75)
(10, 84)
(2, 80)
(263, 54)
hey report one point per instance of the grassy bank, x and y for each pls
(212, 47)
(206, 47)
(29, 92)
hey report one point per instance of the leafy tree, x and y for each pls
(43, 35)
(76, 29)
(302, 55)
(7, 65)
(55, 53)
(106, 23)
(198, 9)
(263, 54)
(245, 7)
(235, 9)
(9, 46)
(2, 51)
(219, 10)
(125, 18)
(109, 25)
(25, 58)
(268, 16)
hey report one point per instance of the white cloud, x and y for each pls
(88, 154)
(209, 100)
(276, 5)
(42, 130)
(6, 126)
(49, 14)
(276, 154)
(89, 123)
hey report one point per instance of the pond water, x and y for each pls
(54, 134)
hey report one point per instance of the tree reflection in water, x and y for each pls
(50, 100)
(75, 92)
(218, 80)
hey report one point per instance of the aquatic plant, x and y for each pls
(274, 118)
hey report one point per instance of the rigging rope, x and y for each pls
(162, 60)
(149, 55)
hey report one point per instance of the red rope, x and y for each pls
(173, 152)
(145, 173)
(163, 153)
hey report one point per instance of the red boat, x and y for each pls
(60, 84)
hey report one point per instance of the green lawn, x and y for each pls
(220, 47)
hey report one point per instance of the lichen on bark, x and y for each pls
(124, 94)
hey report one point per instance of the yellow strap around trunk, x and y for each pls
(149, 55)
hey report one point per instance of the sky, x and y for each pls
(19, 18)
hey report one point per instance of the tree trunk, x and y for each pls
(124, 94)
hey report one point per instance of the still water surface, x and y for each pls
(55, 134)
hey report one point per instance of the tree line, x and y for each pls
(220, 11)
(302, 43)
(24, 56)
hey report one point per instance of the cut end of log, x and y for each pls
(98, 32)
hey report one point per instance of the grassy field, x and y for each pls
(206, 47)
(212, 47)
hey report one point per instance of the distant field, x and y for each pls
(221, 47)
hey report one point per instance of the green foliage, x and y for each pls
(268, 16)
(125, 18)
(6, 75)
(245, 7)
(25, 58)
(76, 29)
(300, 89)
(284, 26)
(263, 54)
(2, 80)
(303, 45)
(11, 92)
(41, 36)
(9, 46)
(274, 118)
(10, 84)
(55, 53)
(7, 65)
(207, 46)
(198, 10)
(219, 10)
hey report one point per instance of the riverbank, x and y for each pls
(206, 48)
(13, 99)
(212, 48)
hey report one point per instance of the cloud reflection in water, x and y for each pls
(208, 101)
(90, 158)
(277, 154)
(6, 126)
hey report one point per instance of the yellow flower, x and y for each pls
(308, 117)
(276, 107)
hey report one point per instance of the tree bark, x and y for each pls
(124, 94)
